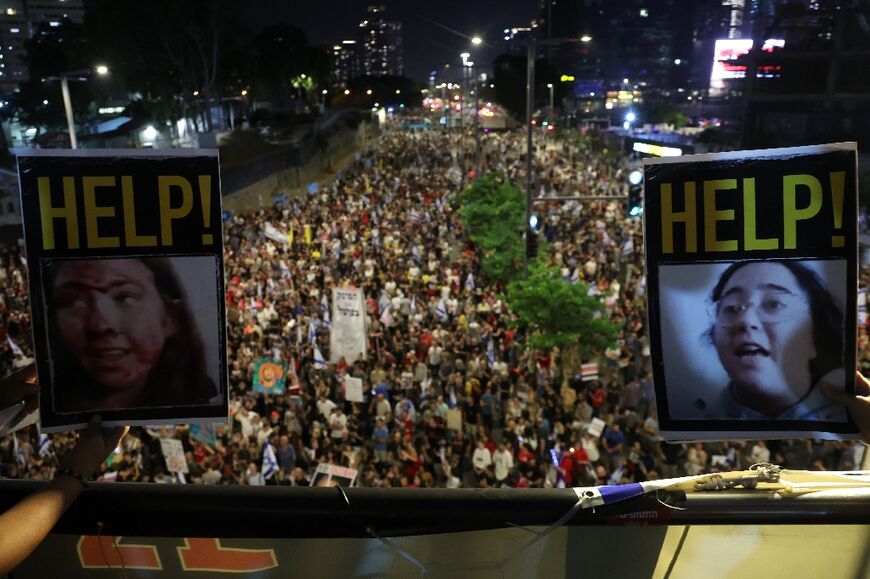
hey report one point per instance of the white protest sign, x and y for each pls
(347, 337)
(173, 452)
(596, 428)
(353, 389)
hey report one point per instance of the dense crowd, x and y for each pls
(454, 398)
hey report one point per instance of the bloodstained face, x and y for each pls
(112, 320)
(764, 336)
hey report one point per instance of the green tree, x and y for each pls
(560, 313)
(557, 313)
(493, 215)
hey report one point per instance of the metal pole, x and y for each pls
(67, 105)
(530, 96)
(476, 125)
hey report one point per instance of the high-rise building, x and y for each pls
(19, 20)
(380, 44)
(345, 62)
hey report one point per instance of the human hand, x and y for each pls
(857, 403)
(92, 448)
(19, 386)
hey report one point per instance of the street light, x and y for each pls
(80, 75)
(477, 41)
(550, 86)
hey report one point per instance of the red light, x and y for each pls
(534, 122)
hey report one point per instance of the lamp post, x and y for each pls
(550, 86)
(80, 75)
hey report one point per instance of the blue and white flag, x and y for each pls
(324, 307)
(270, 462)
(312, 332)
(383, 303)
(862, 306)
(13, 346)
(319, 360)
(575, 277)
(441, 310)
(19, 452)
(45, 445)
(469, 282)
(490, 352)
(415, 217)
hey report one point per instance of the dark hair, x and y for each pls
(827, 317)
(178, 378)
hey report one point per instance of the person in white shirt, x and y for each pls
(504, 462)
(481, 459)
(325, 406)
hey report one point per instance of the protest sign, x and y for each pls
(353, 389)
(331, 475)
(589, 372)
(125, 264)
(173, 452)
(347, 335)
(269, 376)
(752, 278)
(454, 419)
(596, 427)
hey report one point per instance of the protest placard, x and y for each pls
(173, 452)
(331, 475)
(269, 376)
(596, 427)
(454, 419)
(347, 336)
(589, 371)
(353, 389)
(125, 265)
(752, 277)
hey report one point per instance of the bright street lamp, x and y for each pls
(477, 41)
(550, 86)
(80, 75)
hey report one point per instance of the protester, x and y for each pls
(453, 398)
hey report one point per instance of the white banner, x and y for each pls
(173, 452)
(353, 389)
(347, 336)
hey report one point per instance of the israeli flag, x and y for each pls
(441, 310)
(490, 352)
(270, 462)
(387, 316)
(383, 303)
(13, 346)
(319, 360)
(469, 282)
(312, 333)
(19, 452)
(575, 277)
(44, 445)
(324, 307)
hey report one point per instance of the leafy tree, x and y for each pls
(560, 314)
(493, 215)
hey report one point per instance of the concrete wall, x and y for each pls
(293, 180)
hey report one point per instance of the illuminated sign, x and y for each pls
(566, 78)
(656, 150)
(728, 50)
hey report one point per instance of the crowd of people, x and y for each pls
(454, 398)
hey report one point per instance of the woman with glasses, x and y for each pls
(777, 332)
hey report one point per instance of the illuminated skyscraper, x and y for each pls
(380, 44)
(19, 20)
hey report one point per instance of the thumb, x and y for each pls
(837, 395)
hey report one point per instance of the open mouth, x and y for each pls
(109, 354)
(747, 350)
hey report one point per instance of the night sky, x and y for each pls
(427, 46)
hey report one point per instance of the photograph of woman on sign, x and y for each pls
(775, 331)
(122, 336)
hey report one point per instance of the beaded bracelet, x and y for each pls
(71, 473)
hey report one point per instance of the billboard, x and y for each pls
(725, 54)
